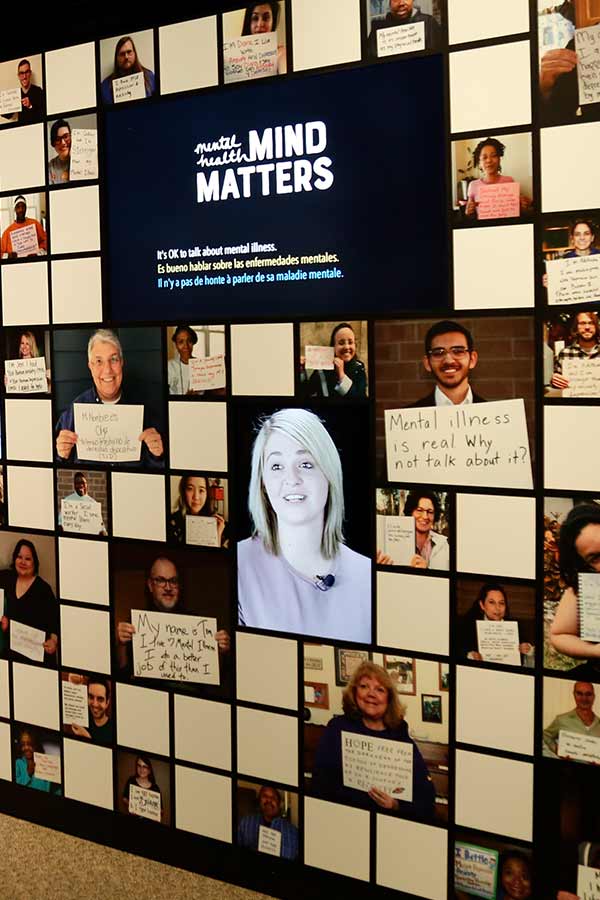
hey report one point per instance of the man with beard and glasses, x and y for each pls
(585, 344)
(450, 357)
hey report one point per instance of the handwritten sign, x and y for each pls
(588, 883)
(83, 516)
(250, 56)
(26, 376)
(269, 841)
(587, 47)
(377, 762)
(175, 647)
(108, 432)
(75, 704)
(481, 444)
(24, 240)
(499, 642)
(27, 641)
(582, 747)
(84, 154)
(574, 280)
(309, 693)
(143, 802)
(10, 101)
(588, 602)
(583, 376)
(499, 201)
(207, 373)
(316, 357)
(396, 538)
(475, 870)
(201, 531)
(401, 39)
(129, 87)
(47, 767)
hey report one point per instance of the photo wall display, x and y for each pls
(298, 428)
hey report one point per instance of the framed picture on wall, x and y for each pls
(431, 708)
(403, 672)
(346, 663)
(444, 676)
(316, 694)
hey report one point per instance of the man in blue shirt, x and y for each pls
(269, 802)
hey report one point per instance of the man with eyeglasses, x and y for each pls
(580, 720)
(32, 96)
(106, 364)
(449, 357)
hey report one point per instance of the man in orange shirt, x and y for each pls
(21, 221)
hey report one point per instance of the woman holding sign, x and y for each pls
(486, 157)
(29, 601)
(348, 377)
(490, 605)
(371, 709)
(263, 18)
(431, 550)
(194, 500)
(144, 779)
(29, 745)
(295, 574)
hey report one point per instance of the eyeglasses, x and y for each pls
(425, 512)
(63, 139)
(443, 352)
(159, 581)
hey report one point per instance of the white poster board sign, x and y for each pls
(587, 47)
(201, 531)
(318, 357)
(84, 154)
(396, 538)
(143, 802)
(175, 647)
(108, 432)
(588, 883)
(573, 280)
(475, 870)
(129, 87)
(26, 376)
(499, 201)
(47, 767)
(27, 641)
(401, 39)
(269, 841)
(583, 376)
(370, 762)
(588, 602)
(499, 641)
(480, 445)
(582, 747)
(207, 372)
(24, 240)
(75, 704)
(82, 516)
(10, 101)
(250, 56)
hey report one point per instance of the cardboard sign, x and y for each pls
(582, 747)
(129, 87)
(269, 841)
(83, 516)
(108, 432)
(478, 444)
(24, 241)
(588, 603)
(47, 767)
(583, 376)
(201, 531)
(26, 376)
(370, 762)
(75, 704)
(574, 280)
(207, 373)
(10, 101)
(588, 883)
(84, 154)
(499, 642)
(318, 357)
(401, 39)
(587, 47)
(396, 538)
(27, 641)
(499, 201)
(143, 802)
(250, 56)
(475, 870)
(175, 647)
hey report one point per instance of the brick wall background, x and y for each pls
(97, 488)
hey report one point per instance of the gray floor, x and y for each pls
(47, 865)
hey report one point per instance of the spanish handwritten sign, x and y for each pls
(583, 376)
(396, 538)
(108, 432)
(26, 376)
(269, 841)
(83, 516)
(129, 87)
(250, 56)
(401, 39)
(24, 240)
(588, 883)
(84, 154)
(47, 766)
(482, 444)
(499, 201)
(318, 357)
(574, 280)
(370, 762)
(10, 101)
(75, 704)
(175, 647)
(27, 641)
(582, 747)
(587, 47)
(143, 802)
(201, 531)
(475, 870)
(588, 602)
(207, 372)
(499, 642)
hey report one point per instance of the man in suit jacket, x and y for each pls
(449, 356)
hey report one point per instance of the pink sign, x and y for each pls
(499, 201)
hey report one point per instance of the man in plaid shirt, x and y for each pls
(585, 332)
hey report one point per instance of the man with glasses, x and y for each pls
(449, 357)
(585, 344)
(59, 167)
(32, 96)
(106, 364)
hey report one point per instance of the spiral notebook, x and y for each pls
(588, 605)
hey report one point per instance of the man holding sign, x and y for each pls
(79, 497)
(450, 357)
(404, 12)
(585, 332)
(114, 439)
(580, 720)
(127, 64)
(252, 828)
(24, 237)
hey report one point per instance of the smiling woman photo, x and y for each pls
(295, 574)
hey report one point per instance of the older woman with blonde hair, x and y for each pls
(295, 574)
(371, 709)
